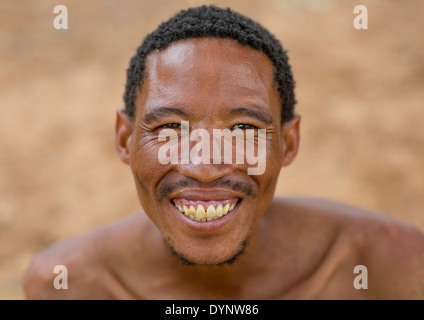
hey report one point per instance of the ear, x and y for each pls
(123, 135)
(290, 134)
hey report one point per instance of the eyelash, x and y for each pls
(242, 126)
(172, 125)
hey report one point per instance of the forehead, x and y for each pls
(208, 70)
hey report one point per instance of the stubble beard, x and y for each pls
(228, 262)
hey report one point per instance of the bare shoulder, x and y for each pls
(86, 260)
(394, 254)
(392, 250)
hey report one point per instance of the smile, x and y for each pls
(205, 210)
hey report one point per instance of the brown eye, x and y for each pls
(243, 126)
(171, 126)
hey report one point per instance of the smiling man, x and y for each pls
(212, 230)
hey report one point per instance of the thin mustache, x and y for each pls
(163, 190)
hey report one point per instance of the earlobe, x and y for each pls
(290, 133)
(123, 134)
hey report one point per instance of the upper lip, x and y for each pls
(205, 194)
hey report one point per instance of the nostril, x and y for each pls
(206, 173)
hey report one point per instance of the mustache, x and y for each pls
(164, 189)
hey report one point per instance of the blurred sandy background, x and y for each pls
(360, 93)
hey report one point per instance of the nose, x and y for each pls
(212, 164)
(206, 173)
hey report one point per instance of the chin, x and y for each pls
(208, 256)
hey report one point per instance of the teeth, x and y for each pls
(192, 211)
(219, 210)
(200, 214)
(185, 209)
(226, 208)
(211, 212)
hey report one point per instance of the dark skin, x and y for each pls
(298, 248)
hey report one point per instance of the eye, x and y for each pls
(171, 126)
(243, 126)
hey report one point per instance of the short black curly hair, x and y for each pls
(211, 21)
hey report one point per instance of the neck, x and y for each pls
(272, 253)
(226, 281)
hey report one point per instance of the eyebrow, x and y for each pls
(259, 115)
(158, 113)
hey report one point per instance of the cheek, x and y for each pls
(144, 161)
(147, 171)
(274, 156)
(268, 179)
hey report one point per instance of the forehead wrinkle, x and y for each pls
(178, 74)
(160, 112)
(211, 58)
(252, 112)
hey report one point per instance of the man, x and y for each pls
(211, 230)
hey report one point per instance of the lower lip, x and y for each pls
(206, 226)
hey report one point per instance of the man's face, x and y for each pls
(213, 84)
